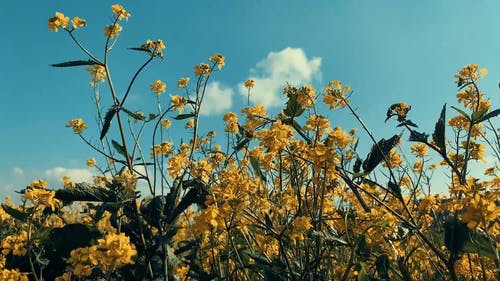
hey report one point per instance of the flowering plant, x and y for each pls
(288, 198)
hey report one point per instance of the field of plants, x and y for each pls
(285, 197)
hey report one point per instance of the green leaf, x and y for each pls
(463, 113)
(256, 168)
(362, 274)
(74, 63)
(107, 121)
(439, 131)
(293, 108)
(480, 243)
(476, 115)
(456, 233)
(119, 148)
(488, 116)
(378, 153)
(15, 213)
(184, 116)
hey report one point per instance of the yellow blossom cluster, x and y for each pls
(334, 95)
(218, 59)
(158, 87)
(37, 193)
(155, 48)
(182, 83)
(77, 124)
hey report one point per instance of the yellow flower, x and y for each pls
(127, 180)
(12, 275)
(91, 162)
(232, 122)
(41, 195)
(219, 59)
(77, 124)
(419, 149)
(182, 83)
(98, 73)
(67, 183)
(58, 21)
(15, 244)
(158, 87)
(334, 94)
(154, 47)
(78, 22)
(394, 159)
(120, 12)
(162, 149)
(111, 31)
(178, 103)
(166, 123)
(117, 250)
(249, 83)
(189, 124)
(202, 69)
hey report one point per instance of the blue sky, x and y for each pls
(387, 51)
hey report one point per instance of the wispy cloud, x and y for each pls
(76, 175)
(218, 99)
(17, 171)
(289, 65)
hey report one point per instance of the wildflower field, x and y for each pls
(280, 196)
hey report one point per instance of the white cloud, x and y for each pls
(217, 99)
(17, 171)
(289, 65)
(75, 175)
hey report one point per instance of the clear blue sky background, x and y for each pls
(387, 51)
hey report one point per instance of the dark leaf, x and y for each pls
(74, 63)
(382, 264)
(152, 210)
(107, 121)
(417, 136)
(134, 115)
(140, 49)
(269, 222)
(184, 116)
(488, 116)
(407, 123)
(439, 131)
(395, 189)
(362, 250)
(378, 153)
(456, 233)
(196, 195)
(357, 165)
(119, 148)
(85, 192)
(242, 144)
(15, 213)
(70, 237)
